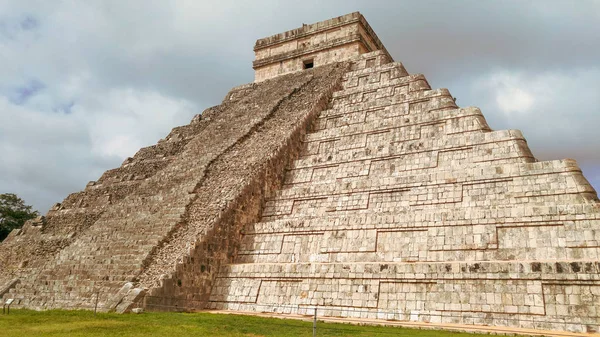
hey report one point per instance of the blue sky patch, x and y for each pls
(29, 23)
(10, 28)
(21, 95)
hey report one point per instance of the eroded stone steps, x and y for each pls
(116, 184)
(457, 243)
(437, 100)
(135, 170)
(434, 163)
(398, 102)
(304, 213)
(362, 233)
(377, 74)
(401, 201)
(451, 121)
(455, 180)
(64, 299)
(53, 291)
(378, 253)
(173, 144)
(126, 265)
(524, 215)
(384, 86)
(405, 158)
(513, 188)
(481, 232)
(532, 289)
(480, 242)
(410, 98)
(356, 135)
(403, 130)
(584, 270)
(381, 145)
(401, 141)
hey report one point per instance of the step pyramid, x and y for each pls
(337, 181)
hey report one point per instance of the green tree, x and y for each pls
(13, 213)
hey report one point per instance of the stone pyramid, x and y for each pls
(336, 180)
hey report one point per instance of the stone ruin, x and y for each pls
(336, 180)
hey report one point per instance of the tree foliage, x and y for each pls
(13, 213)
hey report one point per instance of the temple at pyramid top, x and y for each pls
(314, 45)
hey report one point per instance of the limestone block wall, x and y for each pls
(405, 206)
(334, 40)
(334, 53)
(136, 224)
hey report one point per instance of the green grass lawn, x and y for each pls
(26, 323)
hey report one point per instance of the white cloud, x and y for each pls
(55, 153)
(512, 95)
(126, 119)
(557, 110)
(77, 93)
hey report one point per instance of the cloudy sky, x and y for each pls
(84, 84)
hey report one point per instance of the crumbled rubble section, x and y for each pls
(26, 251)
(405, 206)
(138, 223)
(232, 193)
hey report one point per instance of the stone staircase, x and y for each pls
(404, 206)
(109, 229)
(133, 230)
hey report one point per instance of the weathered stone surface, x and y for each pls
(145, 221)
(404, 206)
(335, 40)
(352, 186)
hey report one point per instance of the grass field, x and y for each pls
(26, 323)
